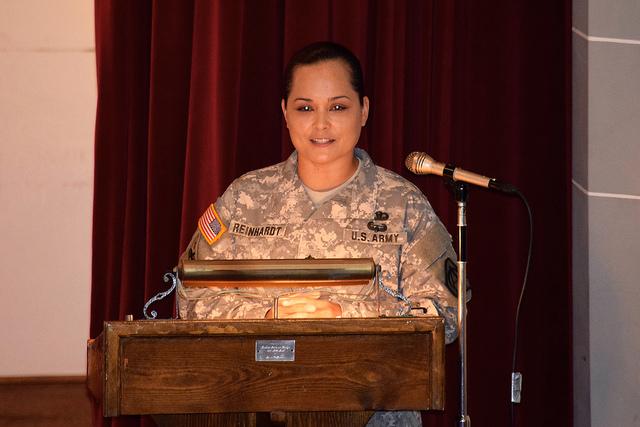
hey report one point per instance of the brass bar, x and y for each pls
(277, 271)
(291, 283)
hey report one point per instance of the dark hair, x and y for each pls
(320, 52)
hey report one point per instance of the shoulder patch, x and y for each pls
(211, 225)
(451, 276)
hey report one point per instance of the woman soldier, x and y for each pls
(327, 200)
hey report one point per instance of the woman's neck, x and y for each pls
(325, 177)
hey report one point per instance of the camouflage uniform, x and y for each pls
(268, 214)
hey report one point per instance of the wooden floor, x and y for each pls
(44, 401)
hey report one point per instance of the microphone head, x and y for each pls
(411, 162)
(419, 163)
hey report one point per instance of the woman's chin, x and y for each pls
(318, 153)
(324, 154)
(318, 160)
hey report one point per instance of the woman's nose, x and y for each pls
(321, 120)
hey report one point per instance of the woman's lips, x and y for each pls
(322, 141)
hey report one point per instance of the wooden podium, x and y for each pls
(319, 372)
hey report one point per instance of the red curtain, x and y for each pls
(188, 99)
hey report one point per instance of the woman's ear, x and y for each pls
(365, 110)
(284, 111)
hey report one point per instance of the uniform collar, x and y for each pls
(356, 200)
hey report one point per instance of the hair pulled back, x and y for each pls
(321, 52)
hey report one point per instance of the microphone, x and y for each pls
(422, 164)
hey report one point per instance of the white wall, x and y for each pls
(47, 116)
(606, 208)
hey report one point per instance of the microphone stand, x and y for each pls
(461, 192)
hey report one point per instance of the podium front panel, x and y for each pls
(178, 367)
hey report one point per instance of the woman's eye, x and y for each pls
(305, 108)
(339, 107)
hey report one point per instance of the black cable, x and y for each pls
(524, 285)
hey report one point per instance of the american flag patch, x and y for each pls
(211, 225)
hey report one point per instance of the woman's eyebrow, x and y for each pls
(330, 99)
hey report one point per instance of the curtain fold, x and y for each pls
(189, 99)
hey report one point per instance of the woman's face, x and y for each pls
(323, 114)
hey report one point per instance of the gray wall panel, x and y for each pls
(606, 230)
(616, 19)
(580, 18)
(614, 117)
(580, 297)
(614, 243)
(614, 323)
(580, 110)
(615, 370)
